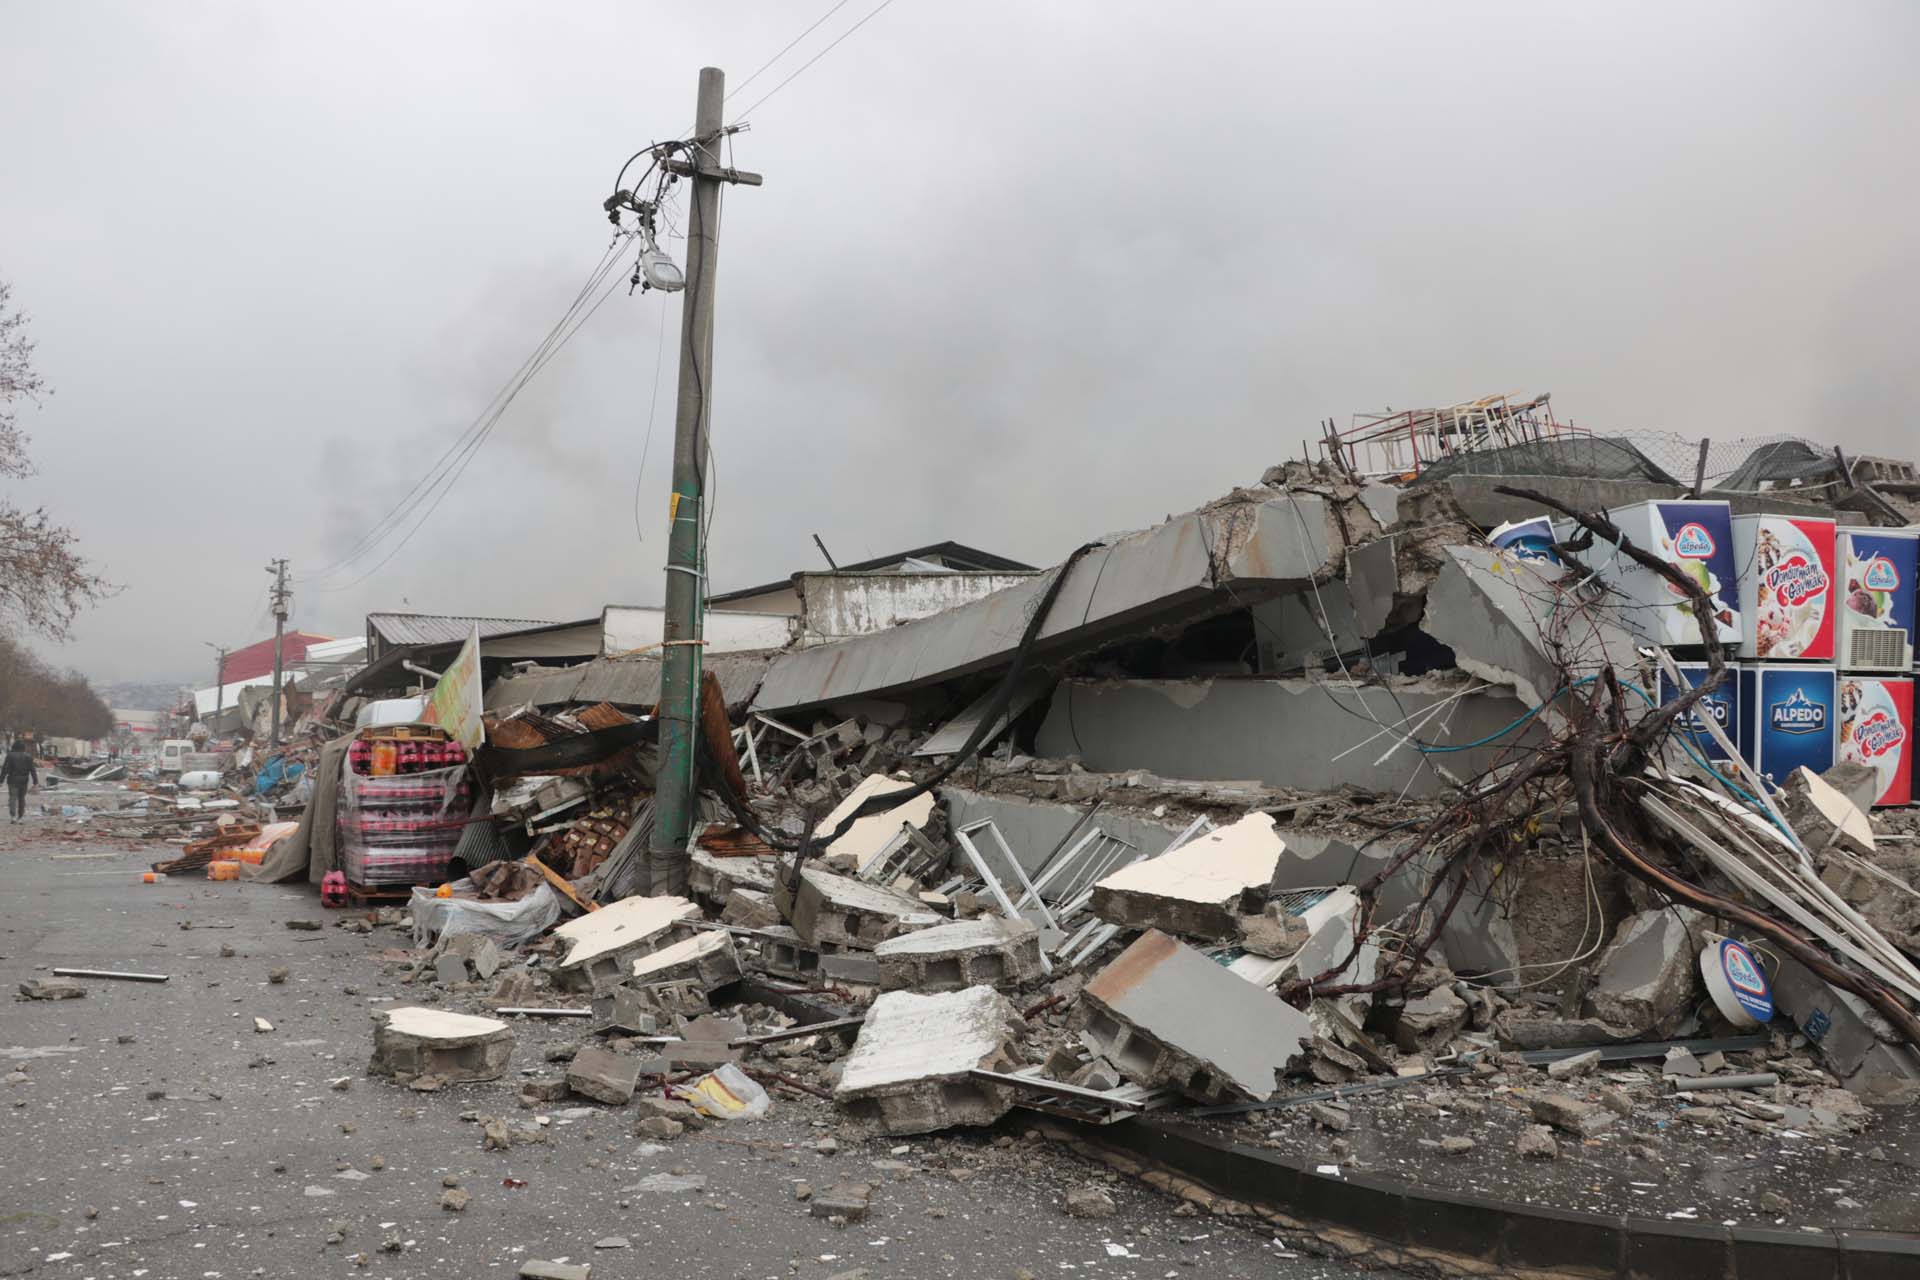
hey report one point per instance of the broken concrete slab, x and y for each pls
(601, 945)
(1823, 816)
(50, 989)
(1856, 1044)
(456, 1047)
(603, 1075)
(707, 959)
(480, 953)
(989, 951)
(750, 909)
(1332, 922)
(1494, 610)
(1570, 1114)
(1429, 1023)
(910, 1070)
(1223, 729)
(839, 910)
(712, 878)
(1166, 1015)
(866, 839)
(1645, 981)
(1243, 549)
(1201, 888)
(1272, 933)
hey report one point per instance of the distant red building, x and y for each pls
(257, 659)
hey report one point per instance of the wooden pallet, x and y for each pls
(378, 895)
(406, 733)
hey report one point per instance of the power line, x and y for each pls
(884, 4)
(450, 478)
(783, 52)
(396, 515)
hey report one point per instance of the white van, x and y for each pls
(173, 754)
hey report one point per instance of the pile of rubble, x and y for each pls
(1311, 793)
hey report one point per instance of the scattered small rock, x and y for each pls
(1456, 1145)
(1536, 1143)
(454, 1200)
(1089, 1202)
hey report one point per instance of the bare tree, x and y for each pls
(44, 581)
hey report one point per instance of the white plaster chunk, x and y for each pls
(621, 924)
(440, 1024)
(1214, 869)
(866, 838)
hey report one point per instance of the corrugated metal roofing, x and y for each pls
(436, 628)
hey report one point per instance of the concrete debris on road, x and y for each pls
(1380, 817)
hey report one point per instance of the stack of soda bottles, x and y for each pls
(403, 803)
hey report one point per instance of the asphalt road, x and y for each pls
(157, 1134)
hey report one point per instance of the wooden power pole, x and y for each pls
(684, 627)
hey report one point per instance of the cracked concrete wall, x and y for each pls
(1311, 735)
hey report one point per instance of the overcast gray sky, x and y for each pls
(1020, 273)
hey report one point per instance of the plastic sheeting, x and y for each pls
(507, 923)
(401, 828)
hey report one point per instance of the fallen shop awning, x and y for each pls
(1235, 553)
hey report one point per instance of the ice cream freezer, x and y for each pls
(1721, 705)
(1695, 536)
(1876, 622)
(1786, 567)
(1788, 717)
(1876, 729)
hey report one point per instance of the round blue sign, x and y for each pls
(1746, 980)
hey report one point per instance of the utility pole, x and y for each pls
(219, 680)
(684, 626)
(281, 599)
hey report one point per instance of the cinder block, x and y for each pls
(990, 951)
(837, 909)
(602, 945)
(411, 1041)
(1166, 1015)
(910, 1069)
(707, 959)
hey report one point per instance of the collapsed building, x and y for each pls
(1340, 777)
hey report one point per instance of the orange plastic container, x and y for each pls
(153, 877)
(223, 869)
(386, 758)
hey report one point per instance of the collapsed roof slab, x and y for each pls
(1239, 551)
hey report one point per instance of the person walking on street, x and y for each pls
(18, 770)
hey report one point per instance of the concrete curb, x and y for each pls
(1482, 1235)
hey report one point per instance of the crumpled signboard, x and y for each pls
(455, 704)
